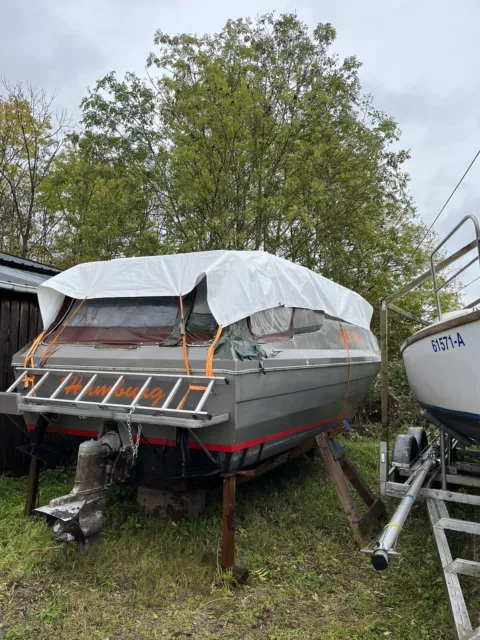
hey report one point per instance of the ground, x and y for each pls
(146, 579)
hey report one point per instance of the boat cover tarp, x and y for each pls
(239, 283)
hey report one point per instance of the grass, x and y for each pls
(146, 579)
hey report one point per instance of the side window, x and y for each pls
(308, 321)
(272, 324)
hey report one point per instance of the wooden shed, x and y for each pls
(20, 323)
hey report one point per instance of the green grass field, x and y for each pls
(146, 579)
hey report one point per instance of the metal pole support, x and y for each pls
(443, 461)
(32, 486)
(384, 396)
(228, 522)
(35, 464)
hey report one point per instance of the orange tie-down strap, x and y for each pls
(345, 342)
(211, 352)
(30, 362)
(183, 335)
(208, 363)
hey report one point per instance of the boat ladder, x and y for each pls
(81, 382)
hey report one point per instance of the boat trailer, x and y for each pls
(431, 475)
(438, 470)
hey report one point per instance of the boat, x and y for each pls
(187, 366)
(441, 359)
(441, 366)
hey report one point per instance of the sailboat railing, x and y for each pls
(438, 287)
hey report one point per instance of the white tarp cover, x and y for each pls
(239, 283)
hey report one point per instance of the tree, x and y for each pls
(105, 210)
(258, 137)
(31, 136)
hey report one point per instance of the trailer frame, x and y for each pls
(449, 473)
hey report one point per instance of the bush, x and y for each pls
(403, 409)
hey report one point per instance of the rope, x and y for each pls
(49, 350)
(443, 208)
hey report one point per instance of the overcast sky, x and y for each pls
(420, 61)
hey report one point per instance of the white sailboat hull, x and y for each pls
(442, 366)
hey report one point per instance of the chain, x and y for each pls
(134, 445)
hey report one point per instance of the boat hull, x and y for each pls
(303, 386)
(441, 363)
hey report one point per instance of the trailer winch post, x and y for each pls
(384, 396)
(443, 461)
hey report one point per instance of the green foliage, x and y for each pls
(258, 137)
(147, 579)
(31, 136)
(106, 211)
(397, 380)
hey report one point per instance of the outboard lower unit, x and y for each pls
(79, 515)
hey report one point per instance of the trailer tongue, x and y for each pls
(384, 547)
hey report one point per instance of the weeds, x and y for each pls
(146, 579)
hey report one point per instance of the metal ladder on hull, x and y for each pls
(107, 407)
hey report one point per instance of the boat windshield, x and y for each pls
(118, 320)
(134, 321)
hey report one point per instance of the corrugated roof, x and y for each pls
(29, 265)
(22, 275)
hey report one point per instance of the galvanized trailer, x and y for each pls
(434, 469)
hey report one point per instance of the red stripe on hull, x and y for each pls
(212, 447)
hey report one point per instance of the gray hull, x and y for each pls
(304, 386)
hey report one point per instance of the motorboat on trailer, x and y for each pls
(441, 360)
(187, 366)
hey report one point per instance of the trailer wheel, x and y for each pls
(405, 450)
(420, 436)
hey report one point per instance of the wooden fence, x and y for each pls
(20, 323)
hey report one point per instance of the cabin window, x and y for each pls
(119, 320)
(307, 321)
(125, 312)
(272, 324)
